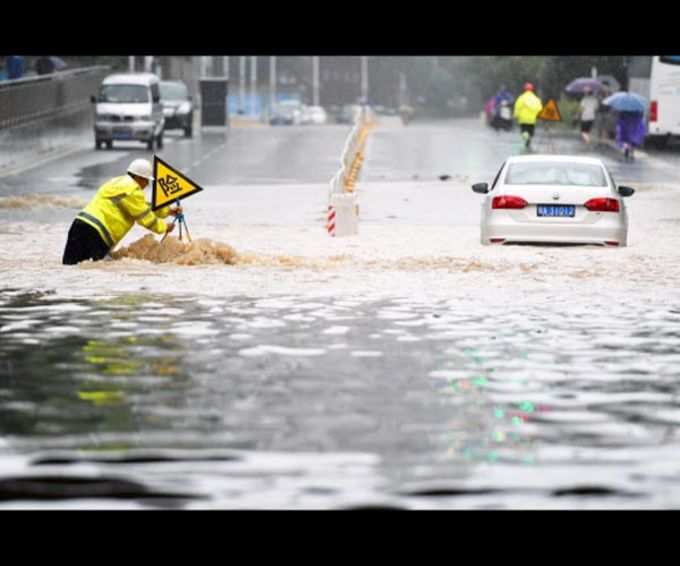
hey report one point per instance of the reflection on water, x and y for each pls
(148, 400)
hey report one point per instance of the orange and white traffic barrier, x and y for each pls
(343, 210)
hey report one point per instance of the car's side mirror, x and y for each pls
(481, 188)
(93, 99)
(156, 100)
(626, 191)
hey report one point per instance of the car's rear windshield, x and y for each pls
(174, 91)
(124, 93)
(556, 173)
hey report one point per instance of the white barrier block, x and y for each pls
(346, 219)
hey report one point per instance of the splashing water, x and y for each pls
(205, 251)
(172, 250)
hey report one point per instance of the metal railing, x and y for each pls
(47, 96)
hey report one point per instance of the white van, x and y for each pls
(660, 84)
(128, 108)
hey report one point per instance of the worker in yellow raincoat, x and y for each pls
(527, 108)
(110, 215)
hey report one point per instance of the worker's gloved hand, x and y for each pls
(170, 228)
(176, 210)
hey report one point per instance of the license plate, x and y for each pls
(122, 134)
(559, 210)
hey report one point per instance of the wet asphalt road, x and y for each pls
(565, 399)
(310, 154)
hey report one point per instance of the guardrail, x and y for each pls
(47, 96)
(343, 209)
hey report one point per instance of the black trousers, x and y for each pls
(527, 128)
(83, 243)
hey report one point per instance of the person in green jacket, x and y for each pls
(113, 211)
(527, 108)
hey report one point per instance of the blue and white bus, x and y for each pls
(657, 78)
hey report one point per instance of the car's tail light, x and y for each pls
(496, 240)
(653, 111)
(508, 202)
(602, 205)
(611, 243)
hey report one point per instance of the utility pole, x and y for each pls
(315, 80)
(272, 81)
(402, 89)
(364, 79)
(253, 83)
(242, 85)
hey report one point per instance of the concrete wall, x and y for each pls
(27, 144)
(47, 116)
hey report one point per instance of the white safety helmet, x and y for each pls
(141, 168)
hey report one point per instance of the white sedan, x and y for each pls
(554, 199)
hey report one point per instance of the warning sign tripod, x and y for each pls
(550, 144)
(550, 113)
(179, 218)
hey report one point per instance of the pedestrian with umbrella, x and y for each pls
(630, 124)
(588, 107)
(584, 85)
(587, 110)
(44, 65)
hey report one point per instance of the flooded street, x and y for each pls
(408, 367)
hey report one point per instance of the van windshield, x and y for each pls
(124, 94)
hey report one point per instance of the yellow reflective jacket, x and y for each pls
(527, 107)
(118, 204)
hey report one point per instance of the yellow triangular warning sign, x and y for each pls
(169, 184)
(550, 112)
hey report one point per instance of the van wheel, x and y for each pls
(159, 141)
(109, 145)
(151, 144)
(188, 132)
(97, 144)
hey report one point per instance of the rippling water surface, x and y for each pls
(155, 401)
